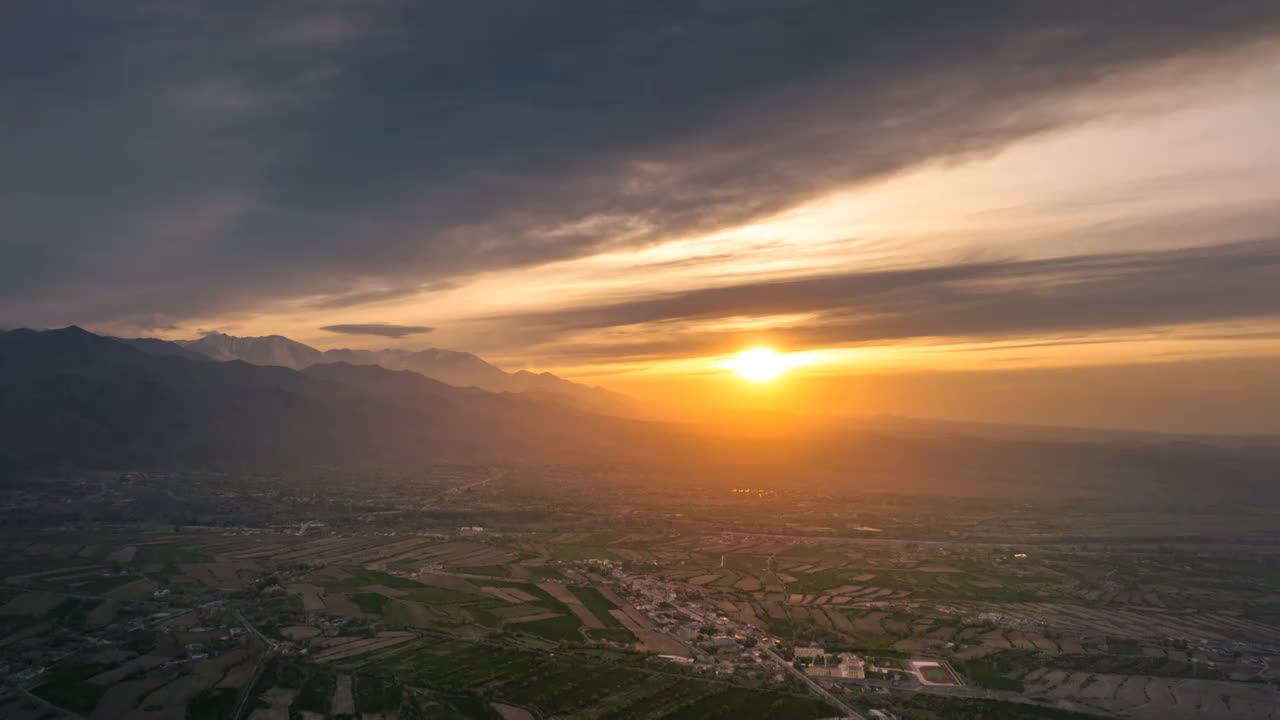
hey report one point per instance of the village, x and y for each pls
(723, 646)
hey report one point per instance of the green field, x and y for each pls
(171, 553)
(1000, 671)
(376, 695)
(484, 617)
(598, 604)
(213, 704)
(443, 596)
(315, 693)
(372, 603)
(66, 686)
(558, 629)
(564, 684)
(357, 578)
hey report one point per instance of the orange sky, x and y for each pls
(1108, 182)
(1036, 212)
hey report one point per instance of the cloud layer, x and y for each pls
(379, 329)
(972, 301)
(179, 159)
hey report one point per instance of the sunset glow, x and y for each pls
(759, 364)
(946, 216)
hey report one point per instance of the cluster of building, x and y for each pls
(817, 661)
(716, 644)
(728, 647)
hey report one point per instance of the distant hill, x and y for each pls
(69, 397)
(460, 369)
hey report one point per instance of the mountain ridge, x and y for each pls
(72, 398)
(69, 398)
(453, 367)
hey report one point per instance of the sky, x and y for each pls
(1060, 213)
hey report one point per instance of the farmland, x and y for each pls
(410, 596)
(555, 685)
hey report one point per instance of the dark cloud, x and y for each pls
(205, 157)
(381, 329)
(1083, 294)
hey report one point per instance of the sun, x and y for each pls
(759, 364)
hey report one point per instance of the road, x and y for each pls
(268, 642)
(821, 691)
(243, 703)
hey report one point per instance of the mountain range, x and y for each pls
(460, 369)
(72, 398)
(69, 398)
